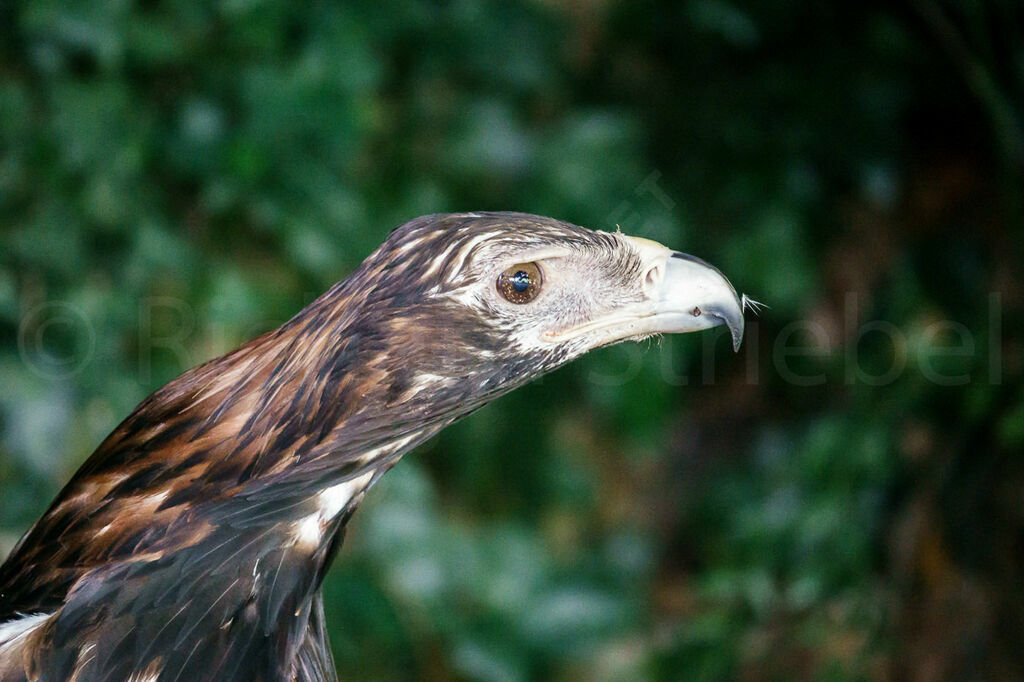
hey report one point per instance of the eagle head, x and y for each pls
(471, 305)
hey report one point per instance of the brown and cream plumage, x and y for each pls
(192, 543)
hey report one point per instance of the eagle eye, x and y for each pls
(520, 283)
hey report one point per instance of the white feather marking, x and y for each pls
(150, 674)
(438, 260)
(337, 497)
(12, 631)
(331, 502)
(308, 531)
(423, 381)
(467, 247)
(85, 656)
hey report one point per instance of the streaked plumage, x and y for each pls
(192, 543)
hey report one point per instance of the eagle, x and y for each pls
(192, 543)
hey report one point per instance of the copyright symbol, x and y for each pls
(56, 340)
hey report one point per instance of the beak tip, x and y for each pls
(733, 319)
(737, 335)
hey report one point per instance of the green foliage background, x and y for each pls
(176, 177)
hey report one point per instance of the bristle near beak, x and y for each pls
(753, 306)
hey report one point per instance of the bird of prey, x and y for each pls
(192, 544)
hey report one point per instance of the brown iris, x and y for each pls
(520, 283)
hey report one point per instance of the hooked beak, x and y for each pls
(696, 295)
(681, 293)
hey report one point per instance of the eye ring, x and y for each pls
(520, 283)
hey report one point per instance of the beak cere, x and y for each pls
(686, 294)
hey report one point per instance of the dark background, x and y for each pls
(842, 500)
